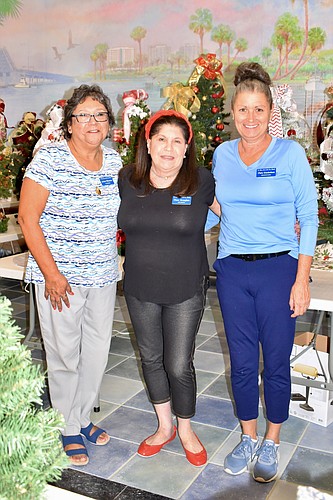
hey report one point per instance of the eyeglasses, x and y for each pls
(102, 116)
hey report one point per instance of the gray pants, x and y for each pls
(77, 342)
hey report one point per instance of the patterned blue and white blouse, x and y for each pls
(79, 220)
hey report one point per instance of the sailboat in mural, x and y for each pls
(22, 84)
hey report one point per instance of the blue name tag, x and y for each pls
(182, 200)
(106, 181)
(266, 172)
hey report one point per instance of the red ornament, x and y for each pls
(195, 89)
(291, 132)
(215, 110)
(220, 126)
(218, 96)
(217, 139)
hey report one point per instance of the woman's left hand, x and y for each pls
(299, 298)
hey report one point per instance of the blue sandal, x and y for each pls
(94, 436)
(77, 439)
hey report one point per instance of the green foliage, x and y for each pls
(138, 116)
(9, 8)
(209, 122)
(30, 450)
(12, 160)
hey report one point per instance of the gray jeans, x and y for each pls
(166, 335)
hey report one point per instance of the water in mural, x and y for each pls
(48, 48)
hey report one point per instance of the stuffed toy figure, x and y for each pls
(53, 131)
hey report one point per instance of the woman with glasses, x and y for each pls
(68, 215)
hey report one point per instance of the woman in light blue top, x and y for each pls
(263, 185)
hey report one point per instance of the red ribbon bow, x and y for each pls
(212, 66)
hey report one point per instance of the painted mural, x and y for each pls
(50, 46)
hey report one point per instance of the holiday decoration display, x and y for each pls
(31, 453)
(12, 160)
(201, 100)
(3, 122)
(120, 241)
(181, 98)
(3, 222)
(16, 153)
(53, 131)
(325, 142)
(286, 121)
(135, 114)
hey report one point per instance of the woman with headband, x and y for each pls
(164, 204)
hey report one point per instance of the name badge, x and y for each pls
(182, 200)
(266, 172)
(106, 181)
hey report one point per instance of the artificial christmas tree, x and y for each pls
(202, 101)
(30, 450)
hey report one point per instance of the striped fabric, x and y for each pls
(79, 221)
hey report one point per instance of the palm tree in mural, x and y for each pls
(200, 23)
(94, 58)
(241, 45)
(101, 50)
(179, 59)
(288, 29)
(138, 34)
(306, 33)
(9, 8)
(172, 61)
(266, 54)
(229, 38)
(316, 40)
(277, 42)
(220, 35)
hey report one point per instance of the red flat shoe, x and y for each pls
(196, 459)
(149, 450)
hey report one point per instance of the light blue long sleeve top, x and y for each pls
(261, 202)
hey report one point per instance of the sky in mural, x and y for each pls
(59, 35)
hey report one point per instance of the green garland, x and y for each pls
(30, 449)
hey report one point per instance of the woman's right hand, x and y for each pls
(57, 290)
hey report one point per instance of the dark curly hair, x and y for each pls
(251, 77)
(80, 94)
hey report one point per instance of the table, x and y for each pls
(321, 301)
(13, 267)
(12, 203)
(13, 232)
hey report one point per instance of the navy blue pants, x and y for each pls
(254, 299)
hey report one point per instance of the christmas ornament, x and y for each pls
(130, 98)
(209, 67)
(182, 99)
(215, 109)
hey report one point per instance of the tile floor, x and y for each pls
(117, 472)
